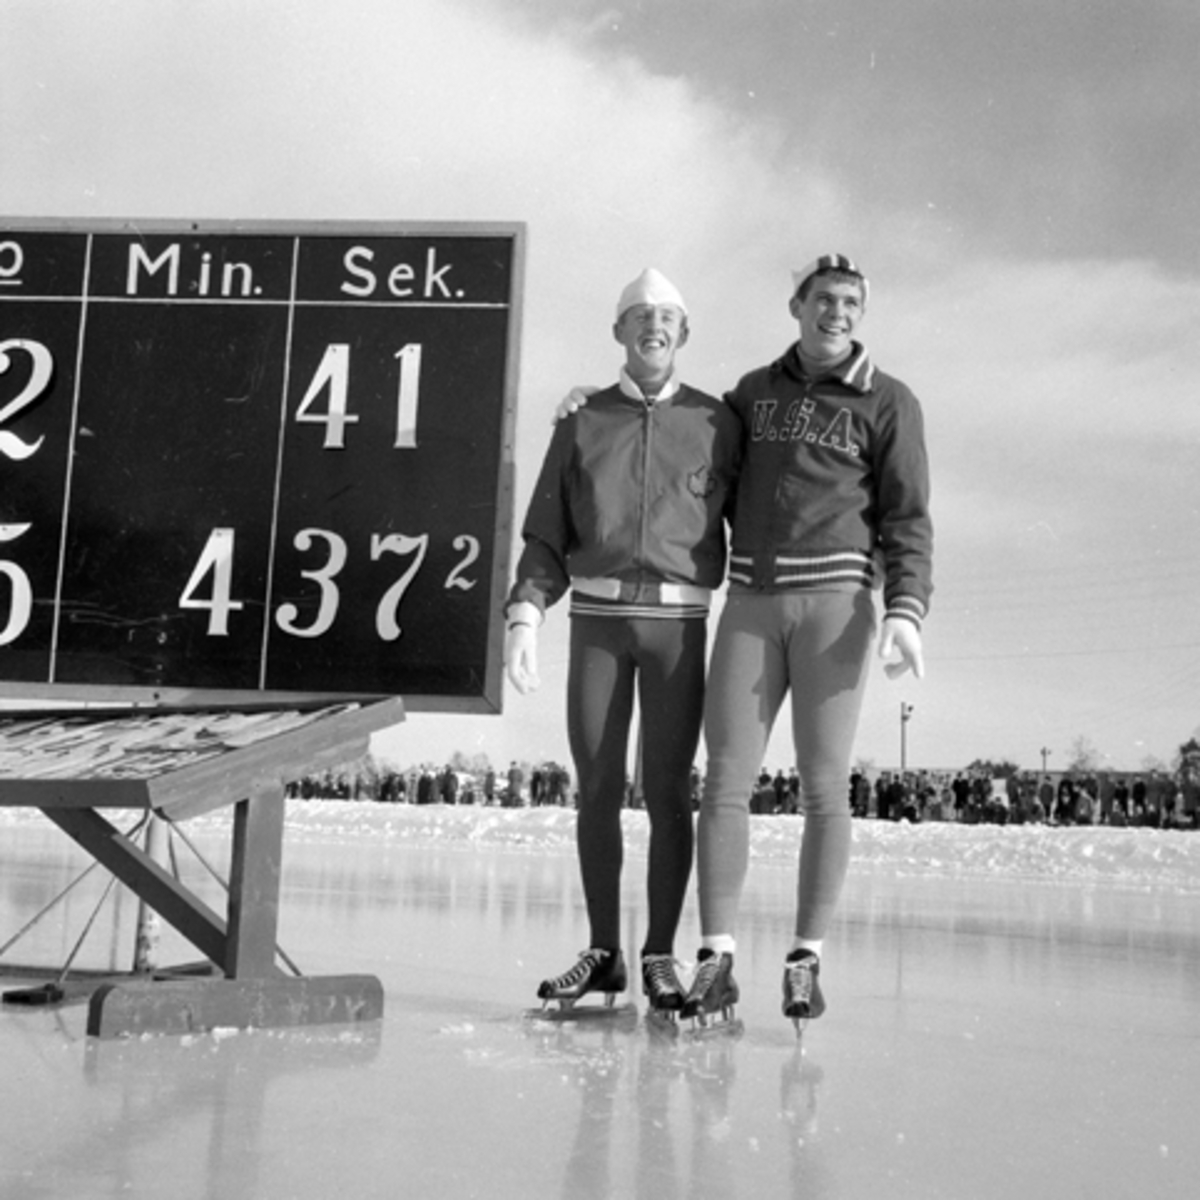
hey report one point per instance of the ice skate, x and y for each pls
(710, 999)
(660, 983)
(802, 999)
(599, 971)
(663, 990)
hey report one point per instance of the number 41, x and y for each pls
(333, 373)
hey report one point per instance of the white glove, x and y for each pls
(904, 638)
(520, 656)
(520, 646)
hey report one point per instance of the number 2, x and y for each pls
(39, 380)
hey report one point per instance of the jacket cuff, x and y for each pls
(523, 612)
(906, 608)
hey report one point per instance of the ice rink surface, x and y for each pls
(1012, 1013)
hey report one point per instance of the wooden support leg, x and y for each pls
(255, 994)
(145, 878)
(255, 874)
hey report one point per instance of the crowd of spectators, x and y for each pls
(970, 797)
(427, 783)
(1026, 797)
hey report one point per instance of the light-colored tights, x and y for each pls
(815, 644)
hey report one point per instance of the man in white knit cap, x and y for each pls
(628, 514)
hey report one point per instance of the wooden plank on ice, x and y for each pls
(185, 1006)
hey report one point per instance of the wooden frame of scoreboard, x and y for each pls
(256, 458)
(249, 467)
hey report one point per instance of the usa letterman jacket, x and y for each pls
(834, 483)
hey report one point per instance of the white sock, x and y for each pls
(813, 945)
(719, 943)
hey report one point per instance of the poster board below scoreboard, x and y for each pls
(255, 461)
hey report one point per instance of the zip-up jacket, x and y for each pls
(632, 491)
(835, 476)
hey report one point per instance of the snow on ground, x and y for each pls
(1128, 857)
(1135, 857)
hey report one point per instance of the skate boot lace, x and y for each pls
(706, 976)
(658, 973)
(589, 960)
(800, 982)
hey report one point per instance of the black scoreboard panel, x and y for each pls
(256, 458)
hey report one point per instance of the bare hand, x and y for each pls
(574, 400)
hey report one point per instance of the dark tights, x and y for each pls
(664, 659)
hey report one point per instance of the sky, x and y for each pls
(1019, 181)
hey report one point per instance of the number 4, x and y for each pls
(334, 372)
(217, 559)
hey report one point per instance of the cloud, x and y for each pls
(1054, 391)
(425, 111)
(1058, 391)
(364, 109)
(429, 110)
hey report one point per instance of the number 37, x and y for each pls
(215, 564)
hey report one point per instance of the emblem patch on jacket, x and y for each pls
(702, 482)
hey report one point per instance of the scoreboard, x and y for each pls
(256, 459)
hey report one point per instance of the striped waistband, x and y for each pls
(809, 570)
(643, 593)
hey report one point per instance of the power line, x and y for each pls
(1103, 652)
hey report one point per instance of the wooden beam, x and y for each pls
(179, 768)
(73, 793)
(133, 867)
(196, 1006)
(255, 873)
(204, 786)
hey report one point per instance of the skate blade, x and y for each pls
(591, 1013)
(661, 1024)
(732, 1027)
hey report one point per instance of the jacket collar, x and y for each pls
(856, 372)
(631, 389)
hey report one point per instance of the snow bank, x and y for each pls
(1136, 858)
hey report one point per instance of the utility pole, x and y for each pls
(1045, 755)
(906, 711)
